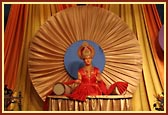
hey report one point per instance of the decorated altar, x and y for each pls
(53, 57)
(92, 103)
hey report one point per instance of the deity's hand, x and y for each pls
(98, 78)
(78, 81)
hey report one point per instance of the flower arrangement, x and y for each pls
(159, 103)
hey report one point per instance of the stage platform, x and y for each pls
(92, 103)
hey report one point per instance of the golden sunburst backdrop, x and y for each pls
(123, 61)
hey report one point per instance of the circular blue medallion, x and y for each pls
(72, 62)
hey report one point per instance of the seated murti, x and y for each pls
(89, 80)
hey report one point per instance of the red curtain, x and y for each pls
(153, 23)
(12, 43)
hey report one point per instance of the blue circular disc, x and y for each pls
(73, 63)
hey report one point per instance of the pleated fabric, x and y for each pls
(18, 38)
(119, 44)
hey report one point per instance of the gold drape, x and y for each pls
(133, 15)
(30, 97)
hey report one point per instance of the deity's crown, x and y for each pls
(86, 50)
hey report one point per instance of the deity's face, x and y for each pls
(88, 60)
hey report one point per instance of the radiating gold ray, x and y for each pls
(43, 64)
(64, 78)
(36, 54)
(123, 61)
(119, 44)
(112, 35)
(130, 53)
(131, 87)
(49, 65)
(49, 68)
(45, 59)
(66, 28)
(54, 33)
(123, 76)
(61, 78)
(111, 80)
(44, 90)
(41, 48)
(109, 75)
(37, 69)
(67, 78)
(55, 38)
(44, 54)
(124, 57)
(52, 59)
(96, 26)
(44, 70)
(106, 79)
(68, 24)
(136, 68)
(112, 29)
(78, 23)
(76, 26)
(62, 29)
(47, 79)
(57, 30)
(129, 62)
(123, 44)
(42, 37)
(124, 49)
